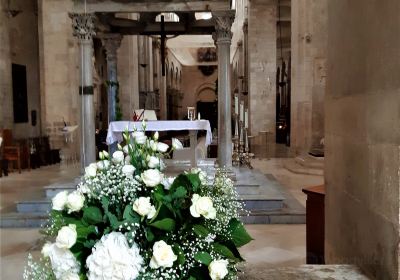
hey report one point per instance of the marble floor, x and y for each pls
(274, 245)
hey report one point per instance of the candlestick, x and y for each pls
(241, 111)
(246, 119)
(236, 105)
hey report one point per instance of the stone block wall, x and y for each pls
(262, 65)
(362, 136)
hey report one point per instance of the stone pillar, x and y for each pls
(111, 43)
(83, 29)
(309, 48)
(6, 102)
(223, 37)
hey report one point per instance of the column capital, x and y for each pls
(111, 42)
(83, 25)
(223, 23)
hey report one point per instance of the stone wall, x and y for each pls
(193, 84)
(6, 102)
(19, 45)
(262, 64)
(362, 136)
(309, 46)
(59, 68)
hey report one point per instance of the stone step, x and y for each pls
(294, 167)
(34, 206)
(311, 162)
(23, 220)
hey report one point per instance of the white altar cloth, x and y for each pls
(115, 129)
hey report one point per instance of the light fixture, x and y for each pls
(168, 17)
(203, 15)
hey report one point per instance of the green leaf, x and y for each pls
(179, 193)
(201, 231)
(89, 243)
(224, 251)
(84, 231)
(149, 235)
(194, 180)
(231, 246)
(180, 253)
(92, 215)
(203, 257)
(239, 234)
(166, 224)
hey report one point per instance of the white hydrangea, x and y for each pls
(113, 259)
(62, 260)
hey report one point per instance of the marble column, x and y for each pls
(223, 37)
(83, 29)
(111, 43)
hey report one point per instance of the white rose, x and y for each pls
(139, 137)
(70, 276)
(167, 182)
(218, 269)
(163, 256)
(201, 173)
(104, 164)
(176, 144)
(75, 201)
(60, 200)
(152, 177)
(202, 205)
(66, 237)
(153, 162)
(143, 207)
(162, 147)
(91, 170)
(118, 157)
(156, 135)
(128, 170)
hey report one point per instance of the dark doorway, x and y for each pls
(209, 111)
(20, 94)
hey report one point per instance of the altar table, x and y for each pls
(115, 130)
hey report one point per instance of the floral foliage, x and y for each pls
(127, 220)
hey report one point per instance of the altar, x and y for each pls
(115, 130)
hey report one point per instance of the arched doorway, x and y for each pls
(207, 103)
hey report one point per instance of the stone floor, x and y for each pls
(272, 255)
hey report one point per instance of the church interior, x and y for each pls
(299, 100)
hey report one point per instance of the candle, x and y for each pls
(198, 116)
(242, 111)
(246, 119)
(236, 105)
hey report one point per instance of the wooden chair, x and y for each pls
(11, 152)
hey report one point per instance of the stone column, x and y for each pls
(83, 29)
(6, 101)
(111, 43)
(222, 37)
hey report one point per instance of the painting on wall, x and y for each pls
(20, 94)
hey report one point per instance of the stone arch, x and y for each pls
(206, 93)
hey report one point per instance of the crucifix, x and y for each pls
(162, 49)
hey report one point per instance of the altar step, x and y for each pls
(306, 165)
(262, 195)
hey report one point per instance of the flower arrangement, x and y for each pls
(127, 221)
